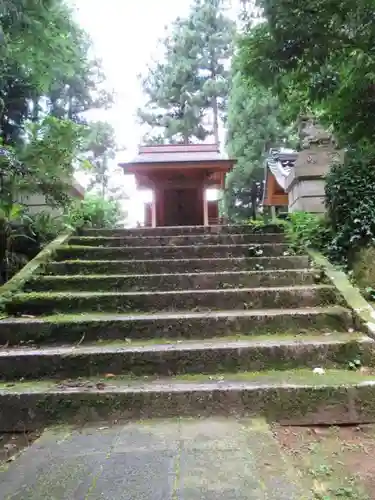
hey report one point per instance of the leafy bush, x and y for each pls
(46, 227)
(94, 211)
(15, 237)
(350, 201)
(257, 224)
(304, 230)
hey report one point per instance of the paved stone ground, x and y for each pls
(180, 459)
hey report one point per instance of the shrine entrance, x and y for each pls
(179, 175)
(183, 207)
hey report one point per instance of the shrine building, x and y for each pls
(278, 166)
(179, 176)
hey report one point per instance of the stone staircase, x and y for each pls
(187, 321)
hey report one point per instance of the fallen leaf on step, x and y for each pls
(364, 370)
(110, 375)
(319, 371)
(9, 446)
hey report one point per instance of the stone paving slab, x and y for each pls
(175, 459)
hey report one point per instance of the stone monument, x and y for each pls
(305, 182)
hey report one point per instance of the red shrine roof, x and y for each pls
(178, 153)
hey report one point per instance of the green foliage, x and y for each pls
(48, 79)
(94, 211)
(255, 125)
(33, 32)
(50, 154)
(351, 203)
(14, 236)
(44, 66)
(46, 227)
(318, 57)
(100, 150)
(192, 81)
(304, 230)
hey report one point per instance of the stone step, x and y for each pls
(190, 325)
(40, 303)
(298, 397)
(179, 240)
(185, 230)
(170, 252)
(212, 356)
(192, 281)
(175, 266)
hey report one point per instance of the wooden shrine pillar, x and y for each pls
(205, 207)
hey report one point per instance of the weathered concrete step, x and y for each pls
(176, 265)
(185, 230)
(179, 300)
(170, 252)
(192, 281)
(297, 397)
(192, 325)
(179, 240)
(212, 356)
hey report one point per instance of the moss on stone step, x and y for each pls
(90, 327)
(180, 240)
(186, 300)
(187, 281)
(171, 252)
(183, 230)
(294, 397)
(210, 357)
(72, 267)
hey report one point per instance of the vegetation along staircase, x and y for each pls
(181, 321)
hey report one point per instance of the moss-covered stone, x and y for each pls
(364, 268)
(210, 357)
(179, 240)
(167, 252)
(227, 376)
(32, 268)
(289, 397)
(39, 303)
(72, 267)
(164, 282)
(74, 328)
(183, 230)
(351, 297)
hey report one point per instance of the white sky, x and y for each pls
(125, 35)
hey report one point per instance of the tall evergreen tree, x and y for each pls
(192, 80)
(174, 106)
(101, 149)
(215, 33)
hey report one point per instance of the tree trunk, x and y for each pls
(214, 104)
(215, 110)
